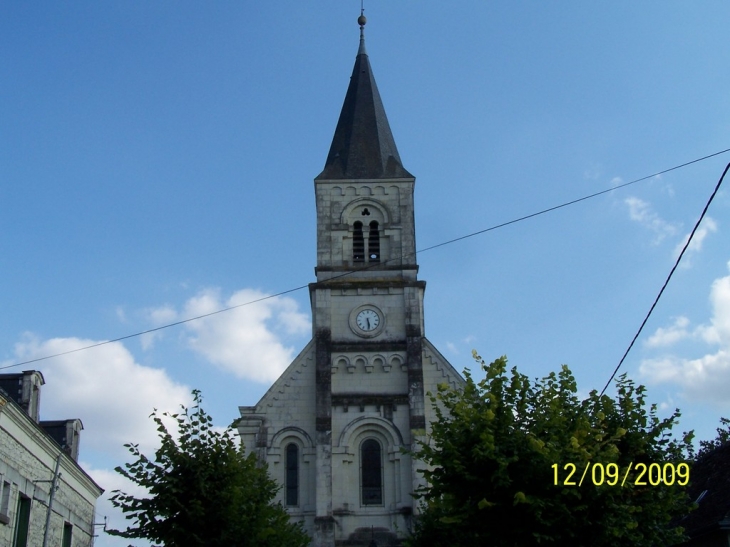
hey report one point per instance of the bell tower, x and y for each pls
(367, 303)
(334, 426)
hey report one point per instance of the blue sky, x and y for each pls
(157, 158)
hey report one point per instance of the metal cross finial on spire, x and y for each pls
(361, 21)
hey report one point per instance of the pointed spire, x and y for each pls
(363, 146)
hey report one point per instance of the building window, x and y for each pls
(5, 503)
(67, 532)
(358, 244)
(371, 473)
(22, 519)
(374, 242)
(292, 475)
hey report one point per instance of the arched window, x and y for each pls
(374, 242)
(292, 474)
(358, 244)
(371, 473)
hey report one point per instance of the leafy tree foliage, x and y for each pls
(491, 473)
(723, 436)
(203, 491)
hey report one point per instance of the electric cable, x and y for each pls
(442, 244)
(573, 202)
(676, 264)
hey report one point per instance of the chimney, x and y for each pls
(25, 390)
(66, 433)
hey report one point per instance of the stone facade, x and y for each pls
(335, 428)
(29, 457)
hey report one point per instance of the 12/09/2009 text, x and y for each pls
(610, 474)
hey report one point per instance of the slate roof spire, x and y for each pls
(363, 146)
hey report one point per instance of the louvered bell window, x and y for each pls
(358, 244)
(374, 242)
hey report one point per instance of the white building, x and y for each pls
(333, 427)
(35, 456)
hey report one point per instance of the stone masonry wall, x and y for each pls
(27, 457)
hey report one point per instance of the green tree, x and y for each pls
(499, 446)
(723, 436)
(203, 491)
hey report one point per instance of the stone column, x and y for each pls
(324, 524)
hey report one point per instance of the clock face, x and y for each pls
(368, 320)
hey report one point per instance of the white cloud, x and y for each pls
(668, 405)
(291, 319)
(718, 331)
(113, 395)
(148, 339)
(104, 386)
(245, 340)
(121, 315)
(671, 335)
(704, 379)
(707, 377)
(159, 316)
(707, 226)
(640, 211)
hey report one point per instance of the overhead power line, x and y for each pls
(656, 300)
(449, 242)
(573, 202)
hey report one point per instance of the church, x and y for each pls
(336, 426)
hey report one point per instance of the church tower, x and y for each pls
(333, 426)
